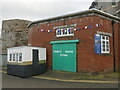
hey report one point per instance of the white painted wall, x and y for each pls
(42, 54)
(27, 53)
(14, 50)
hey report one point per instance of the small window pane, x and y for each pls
(17, 57)
(107, 38)
(13, 57)
(65, 32)
(58, 32)
(113, 3)
(103, 49)
(20, 56)
(107, 49)
(107, 46)
(107, 42)
(10, 57)
(103, 45)
(103, 42)
(103, 37)
(71, 32)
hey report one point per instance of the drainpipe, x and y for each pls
(114, 53)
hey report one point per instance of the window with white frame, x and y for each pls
(105, 46)
(15, 57)
(64, 32)
(102, 44)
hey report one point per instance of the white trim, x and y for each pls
(21, 57)
(61, 34)
(20, 47)
(104, 33)
(77, 13)
(64, 35)
(105, 44)
(14, 57)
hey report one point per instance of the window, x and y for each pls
(13, 57)
(102, 44)
(64, 32)
(10, 57)
(17, 57)
(20, 57)
(113, 3)
(105, 47)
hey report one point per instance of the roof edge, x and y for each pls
(77, 13)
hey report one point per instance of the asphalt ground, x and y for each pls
(75, 77)
(9, 81)
(78, 76)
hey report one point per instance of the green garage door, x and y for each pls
(64, 56)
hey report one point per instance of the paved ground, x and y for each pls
(80, 76)
(47, 80)
(17, 82)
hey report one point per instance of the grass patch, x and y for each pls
(96, 77)
(5, 67)
(112, 75)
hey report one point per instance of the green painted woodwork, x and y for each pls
(65, 41)
(64, 57)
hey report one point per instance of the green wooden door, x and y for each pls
(64, 57)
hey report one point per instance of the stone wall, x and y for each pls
(14, 33)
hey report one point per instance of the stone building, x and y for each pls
(14, 33)
(112, 7)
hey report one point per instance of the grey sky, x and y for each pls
(39, 9)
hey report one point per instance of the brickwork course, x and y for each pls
(87, 60)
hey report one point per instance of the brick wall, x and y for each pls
(117, 38)
(87, 60)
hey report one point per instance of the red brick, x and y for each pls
(87, 60)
